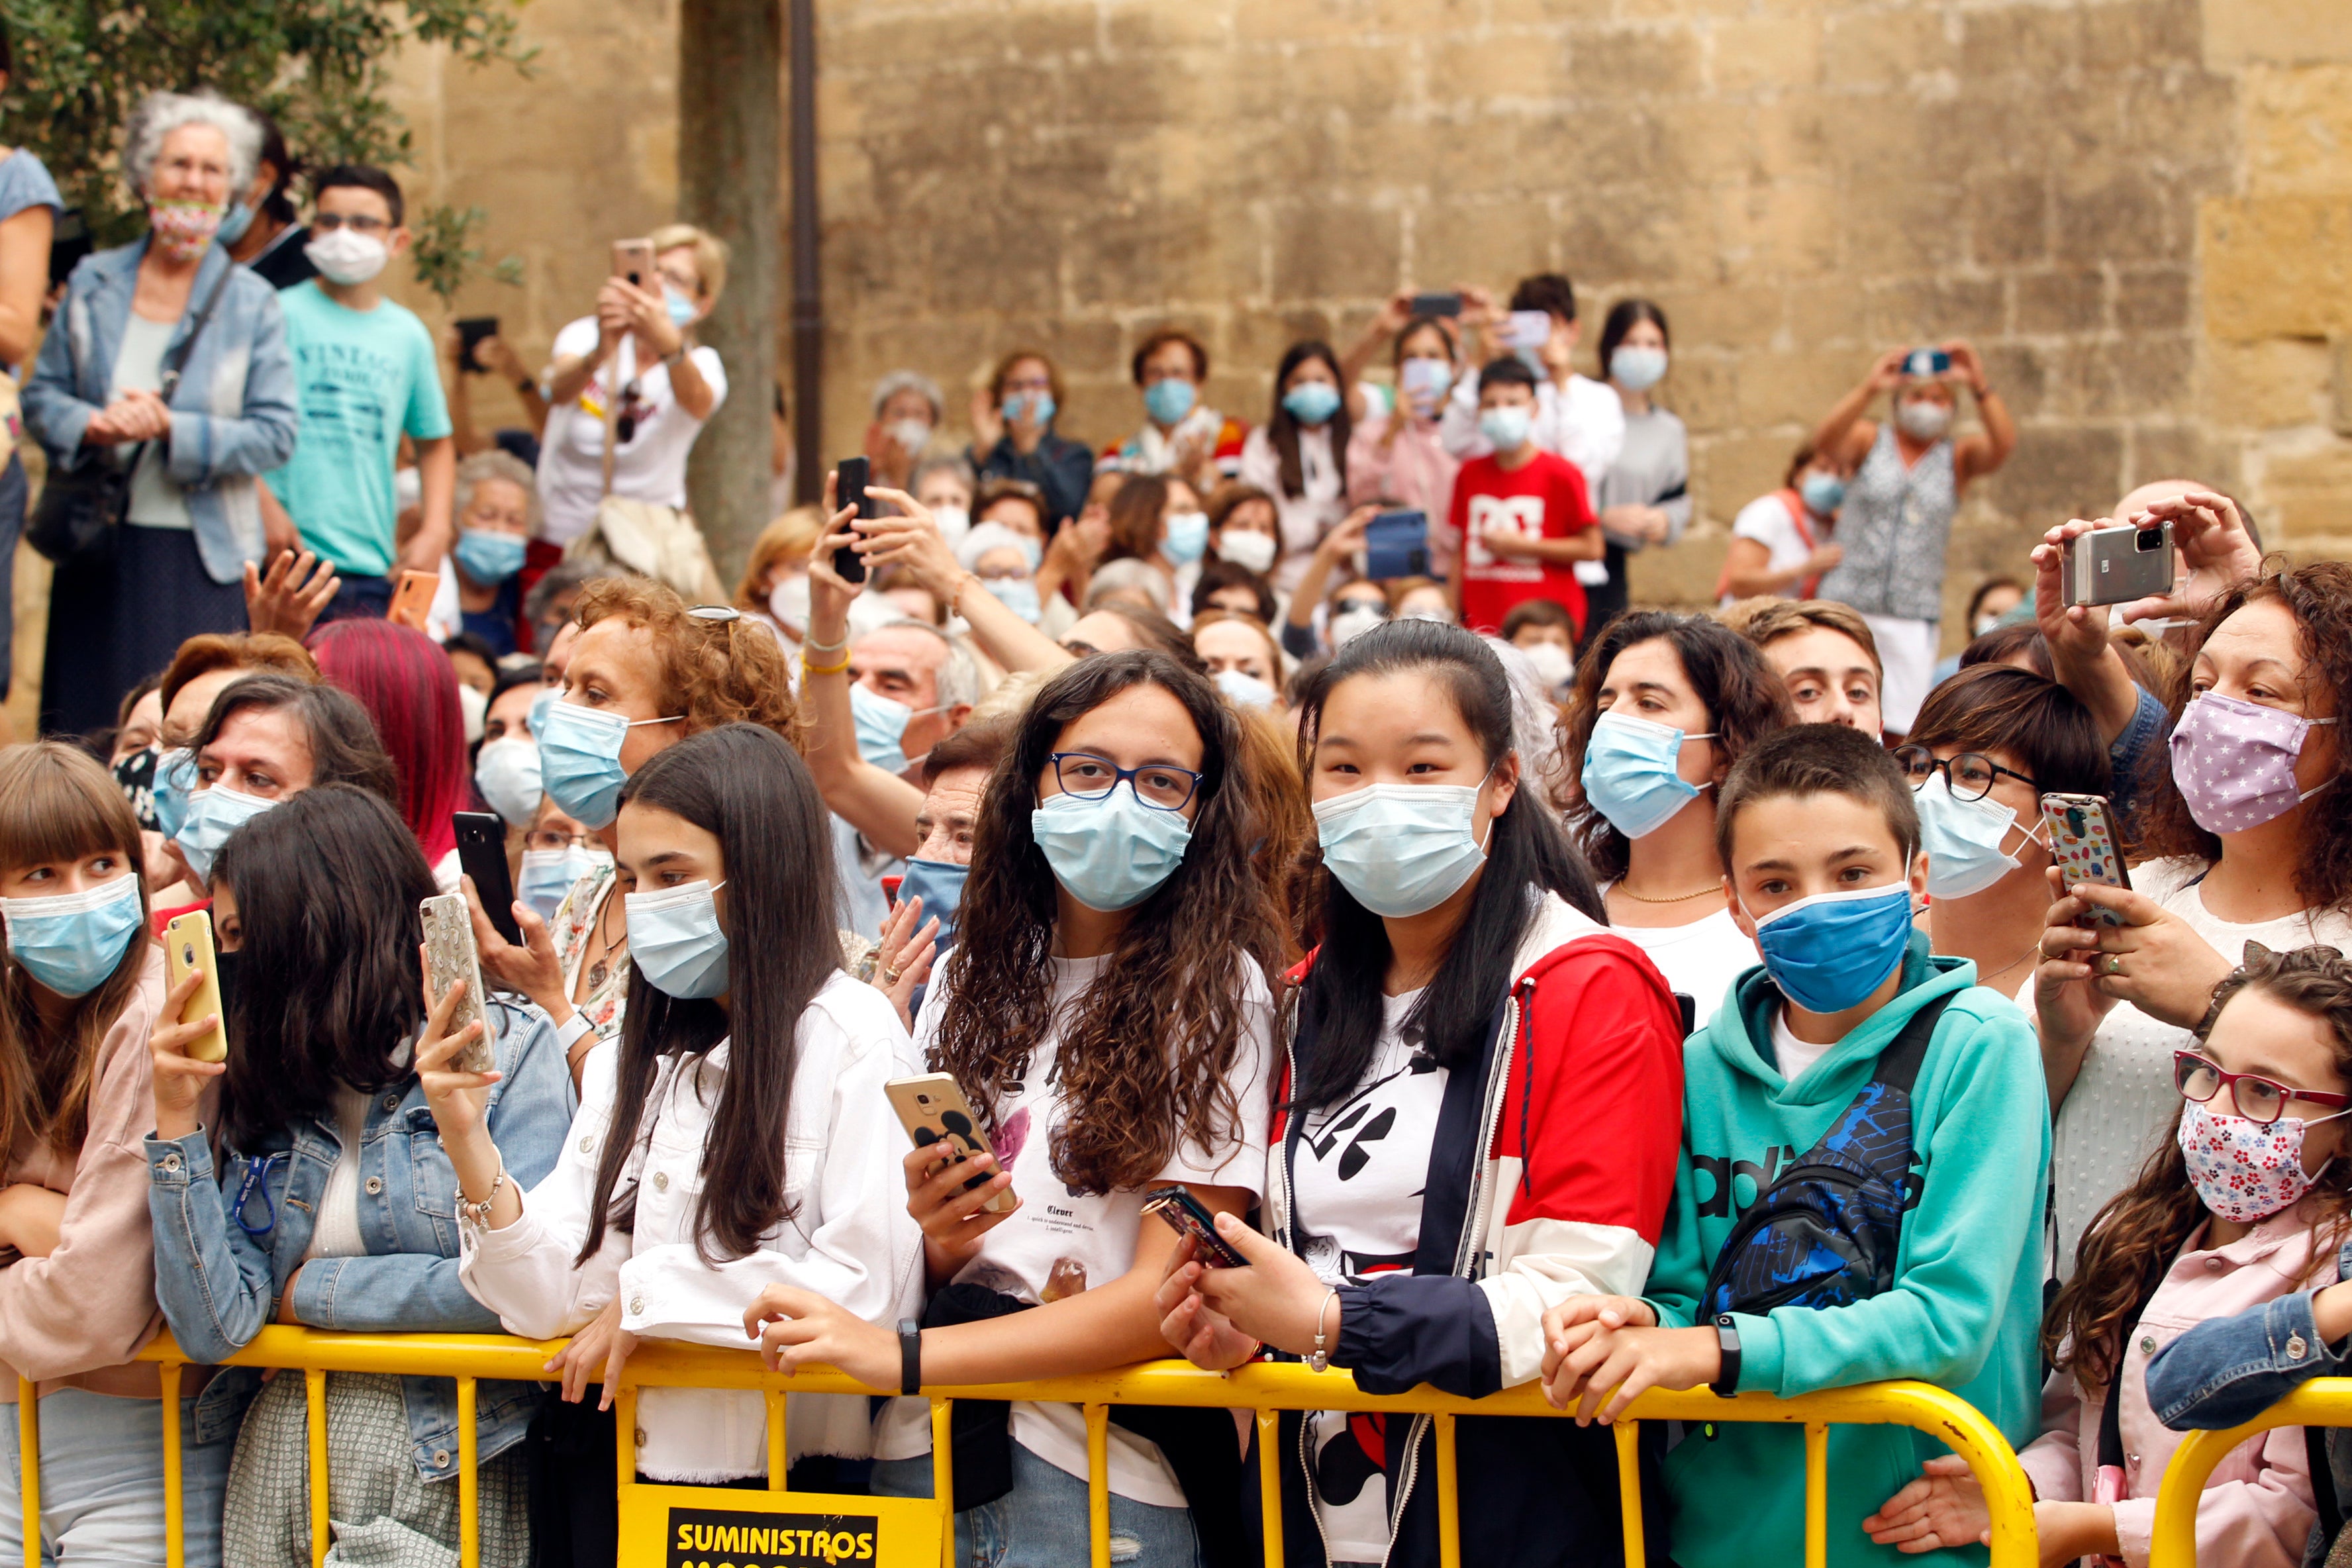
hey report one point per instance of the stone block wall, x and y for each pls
(2140, 210)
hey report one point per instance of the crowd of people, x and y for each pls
(1514, 983)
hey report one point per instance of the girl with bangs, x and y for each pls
(1114, 1034)
(78, 992)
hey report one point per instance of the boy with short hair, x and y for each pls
(1521, 517)
(1575, 416)
(367, 374)
(1819, 1050)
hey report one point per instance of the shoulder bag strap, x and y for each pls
(178, 358)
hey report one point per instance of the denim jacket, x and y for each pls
(233, 417)
(2228, 1370)
(219, 1285)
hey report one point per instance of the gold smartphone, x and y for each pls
(188, 949)
(634, 259)
(932, 1109)
(450, 956)
(411, 601)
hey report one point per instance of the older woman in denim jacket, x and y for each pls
(335, 1207)
(176, 567)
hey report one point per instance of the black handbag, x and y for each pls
(73, 523)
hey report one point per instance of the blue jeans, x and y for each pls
(102, 1484)
(358, 598)
(1042, 1521)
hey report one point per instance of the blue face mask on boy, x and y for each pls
(1630, 773)
(1830, 952)
(71, 942)
(675, 939)
(1112, 852)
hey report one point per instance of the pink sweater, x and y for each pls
(2257, 1509)
(76, 1318)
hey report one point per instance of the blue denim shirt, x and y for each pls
(219, 1285)
(233, 417)
(2228, 1370)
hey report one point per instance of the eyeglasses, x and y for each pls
(2259, 1100)
(1156, 784)
(359, 223)
(549, 838)
(1970, 774)
(715, 613)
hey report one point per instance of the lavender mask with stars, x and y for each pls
(2234, 761)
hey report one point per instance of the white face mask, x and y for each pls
(1923, 419)
(1249, 549)
(788, 601)
(1551, 662)
(347, 257)
(911, 434)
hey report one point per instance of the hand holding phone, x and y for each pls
(851, 476)
(188, 949)
(2116, 566)
(632, 259)
(932, 1108)
(482, 855)
(1396, 544)
(1180, 1212)
(1437, 304)
(2086, 844)
(449, 957)
(472, 332)
(411, 601)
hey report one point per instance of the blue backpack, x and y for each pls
(1825, 1233)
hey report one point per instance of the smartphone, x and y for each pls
(851, 476)
(449, 957)
(932, 1109)
(482, 855)
(1437, 304)
(1396, 544)
(1180, 1212)
(2116, 566)
(2085, 842)
(471, 331)
(188, 949)
(1927, 363)
(634, 259)
(1529, 329)
(412, 600)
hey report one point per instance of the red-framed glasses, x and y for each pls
(2258, 1099)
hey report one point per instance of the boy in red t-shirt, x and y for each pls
(1521, 517)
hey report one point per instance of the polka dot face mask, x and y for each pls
(2234, 761)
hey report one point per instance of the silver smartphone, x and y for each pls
(450, 956)
(2116, 566)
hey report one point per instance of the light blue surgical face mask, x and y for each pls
(1830, 952)
(1018, 594)
(539, 704)
(488, 555)
(881, 726)
(176, 775)
(1963, 839)
(939, 884)
(579, 760)
(1402, 849)
(1637, 370)
(233, 226)
(1312, 403)
(1506, 430)
(1187, 539)
(676, 941)
(72, 942)
(1823, 493)
(1040, 405)
(507, 773)
(1630, 773)
(1424, 383)
(549, 874)
(1168, 399)
(680, 308)
(1112, 853)
(1245, 689)
(213, 815)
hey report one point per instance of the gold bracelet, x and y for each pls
(824, 669)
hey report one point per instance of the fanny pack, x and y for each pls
(1825, 1233)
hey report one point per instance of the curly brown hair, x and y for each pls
(2134, 1239)
(723, 671)
(1745, 701)
(2319, 597)
(1144, 1054)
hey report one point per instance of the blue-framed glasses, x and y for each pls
(1160, 785)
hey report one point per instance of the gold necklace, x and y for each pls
(1678, 899)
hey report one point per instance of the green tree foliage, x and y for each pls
(318, 67)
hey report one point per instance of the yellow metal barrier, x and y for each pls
(2322, 1401)
(1265, 1388)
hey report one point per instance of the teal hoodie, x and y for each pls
(1965, 1308)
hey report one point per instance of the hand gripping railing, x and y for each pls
(2322, 1401)
(1265, 1388)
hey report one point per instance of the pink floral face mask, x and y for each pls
(2246, 1171)
(183, 229)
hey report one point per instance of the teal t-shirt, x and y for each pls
(364, 377)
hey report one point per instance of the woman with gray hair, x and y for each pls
(168, 361)
(907, 408)
(497, 512)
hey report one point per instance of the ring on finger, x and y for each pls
(890, 976)
(2115, 964)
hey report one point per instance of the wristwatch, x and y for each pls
(911, 1355)
(1726, 1340)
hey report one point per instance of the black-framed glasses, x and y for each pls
(359, 223)
(2260, 1100)
(1160, 785)
(1970, 774)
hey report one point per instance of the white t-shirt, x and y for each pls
(650, 466)
(1796, 1056)
(1305, 518)
(1094, 1234)
(1356, 1206)
(2122, 1100)
(1700, 959)
(1765, 520)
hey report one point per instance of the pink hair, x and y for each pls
(405, 682)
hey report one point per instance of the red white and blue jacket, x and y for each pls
(1548, 1178)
